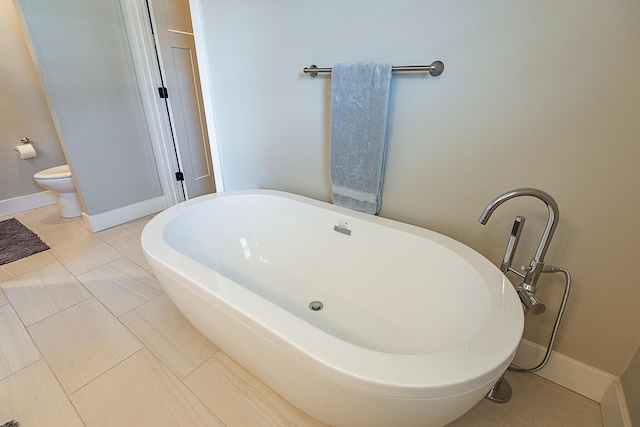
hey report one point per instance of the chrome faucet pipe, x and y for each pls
(554, 214)
(554, 332)
(537, 263)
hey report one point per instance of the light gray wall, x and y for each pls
(543, 94)
(631, 385)
(82, 51)
(23, 112)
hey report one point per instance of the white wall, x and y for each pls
(83, 55)
(23, 112)
(543, 94)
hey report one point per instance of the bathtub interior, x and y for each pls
(382, 289)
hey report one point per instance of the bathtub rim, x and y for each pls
(350, 364)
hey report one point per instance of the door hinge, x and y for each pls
(163, 92)
(179, 176)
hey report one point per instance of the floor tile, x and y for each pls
(137, 225)
(238, 398)
(17, 350)
(84, 253)
(44, 292)
(121, 285)
(114, 233)
(475, 418)
(169, 335)
(131, 247)
(34, 397)
(519, 411)
(140, 392)
(82, 342)
(25, 265)
(48, 214)
(557, 406)
(3, 298)
(53, 229)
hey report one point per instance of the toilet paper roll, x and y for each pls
(26, 151)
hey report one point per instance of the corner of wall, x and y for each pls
(615, 412)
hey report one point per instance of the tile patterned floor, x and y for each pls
(89, 338)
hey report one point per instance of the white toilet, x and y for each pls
(58, 179)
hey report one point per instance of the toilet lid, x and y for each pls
(57, 172)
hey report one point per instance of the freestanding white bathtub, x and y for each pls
(414, 328)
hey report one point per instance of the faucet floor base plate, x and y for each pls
(500, 392)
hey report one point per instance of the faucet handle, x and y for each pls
(535, 267)
(530, 302)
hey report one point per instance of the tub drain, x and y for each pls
(316, 305)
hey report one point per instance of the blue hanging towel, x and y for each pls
(359, 109)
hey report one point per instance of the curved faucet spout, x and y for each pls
(537, 263)
(552, 206)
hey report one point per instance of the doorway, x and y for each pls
(171, 27)
(163, 52)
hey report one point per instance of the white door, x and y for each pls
(179, 67)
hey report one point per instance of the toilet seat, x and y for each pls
(57, 172)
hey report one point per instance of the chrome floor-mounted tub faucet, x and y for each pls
(501, 391)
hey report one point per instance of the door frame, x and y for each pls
(197, 23)
(145, 61)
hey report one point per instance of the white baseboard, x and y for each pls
(119, 216)
(562, 370)
(28, 202)
(615, 412)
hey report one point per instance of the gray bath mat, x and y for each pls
(17, 241)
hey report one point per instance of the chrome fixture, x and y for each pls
(527, 289)
(316, 305)
(435, 69)
(341, 229)
(501, 391)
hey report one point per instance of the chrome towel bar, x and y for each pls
(435, 69)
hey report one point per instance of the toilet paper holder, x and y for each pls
(26, 140)
(26, 152)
